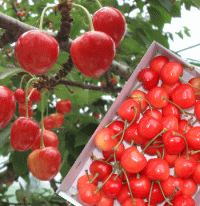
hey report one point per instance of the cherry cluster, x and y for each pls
(151, 152)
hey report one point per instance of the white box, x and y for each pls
(68, 186)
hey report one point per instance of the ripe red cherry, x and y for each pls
(64, 106)
(193, 138)
(22, 110)
(171, 109)
(8, 106)
(148, 77)
(170, 159)
(189, 186)
(196, 174)
(184, 126)
(58, 119)
(156, 113)
(23, 134)
(197, 109)
(105, 200)
(111, 21)
(83, 180)
(195, 82)
(92, 53)
(113, 80)
(50, 139)
(30, 49)
(183, 200)
(20, 95)
(170, 123)
(157, 63)
(35, 96)
(44, 164)
(87, 196)
(48, 123)
(170, 72)
(132, 160)
(123, 194)
(117, 126)
(138, 202)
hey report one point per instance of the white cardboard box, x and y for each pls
(68, 186)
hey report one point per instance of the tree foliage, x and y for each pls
(145, 22)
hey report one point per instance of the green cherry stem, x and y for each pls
(21, 82)
(164, 193)
(137, 86)
(88, 15)
(189, 84)
(100, 6)
(42, 122)
(188, 122)
(149, 200)
(111, 122)
(164, 130)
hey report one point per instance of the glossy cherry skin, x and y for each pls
(111, 21)
(23, 134)
(35, 96)
(170, 159)
(44, 164)
(105, 200)
(148, 77)
(157, 63)
(156, 97)
(101, 168)
(87, 196)
(48, 123)
(117, 126)
(184, 126)
(193, 138)
(197, 109)
(183, 200)
(8, 106)
(157, 169)
(138, 202)
(170, 72)
(140, 186)
(20, 95)
(171, 109)
(170, 184)
(64, 106)
(184, 96)
(113, 186)
(92, 53)
(123, 194)
(189, 186)
(196, 174)
(149, 127)
(22, 110)
(58, 119)
(50, 139)
(155, 112)
(127, 110)
(195, 81)
(83, 180)
(170, 123)
(30, 49)
(184, 167)
(103, 139)
(132, 161)
(174, 144)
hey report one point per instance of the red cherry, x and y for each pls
(157, 97)
(148, 77)
(105, 200)
(147, 204)
(23, 134)
(117, 126)
(183, 200)
(170, 72)
(157, 169)
(138, 202)
(8, 106)
(184, 96)
(123, 194)
(111, 21)
(157, 63)
(48, 123)
(89, 54)
(101, 168)
(83, 180)
(183, 124)
(58, 119)
(193, 138)
(127, 110)
(64, 106)
(23, 13)
(30, 49)
(156, 114)
(197, 109)
(171, 109)
(35, 96)
(196, 174)
(113, 80)
(170, 159)
(18, 13)
(170, 123)
(189, 187)
(50, 139)
(22, 110)
(195, 81)
(20, 95)
(132, 160)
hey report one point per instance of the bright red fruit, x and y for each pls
(117, 126)
(196, 174)
(30, 49)
(35, 95)
(184, 200)
(193, 138)
(83, 180)
(8, 106)
(195, 82)
(171, 109)
(23, 134)
(138, 202)
(20, 95)
(44, 164)
(123, 194)
(170, 123)
(48, 123)
(111, 21)
(197, 109)
(184, 126)
(22, 110)
(155, 113)
(92, 53)
(58, 119)
(64, 106)
(189, 186)
(105, 200)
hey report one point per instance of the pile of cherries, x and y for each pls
(151, 152)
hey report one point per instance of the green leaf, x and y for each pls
(180, 34)
(187, 31)
(196, 2)
(7, 72)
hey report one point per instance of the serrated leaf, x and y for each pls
(7, 72)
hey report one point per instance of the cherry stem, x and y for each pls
(176, 189)
(99, 3)
(88, 15)
(149, 202)
(175, 105)
(93, 157)
(192, 152)
(138, 175)
(189, 83)
(86, 171)
(42, 15)
(21, 82)
(189, 67)
(164, 193)
(31, 93)
(137, 86)
(113, 137)
(42, 121)
(194, 122)
(129, 187)
(111, 122)
(188, 122)
(164, 130)
(175, 133)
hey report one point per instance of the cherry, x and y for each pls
(111, 21)
(87, 195)
(102, 168)
(128, 110)
(171, 109)
(83, 180)
(44, 163)
(48, 123)
(193, 138)
(157, 63)
(157, 169)
(105, 200)
(148, 77)
(197, 109)
(184, 96)
(157, 97)
(23, 13)
(22, 110)
(117, 126)
(112, 186)
(184, 126)
(35, 95)
(23, 134)
(30, 49)
(58, 119)
(183, 200)
(113, 80)
(138, 202)
(189, 186)
(89, 54)
(170, 159)
(64, 106)
(20, 95)
(50, 139)
(196, 174)
(104, 141)
(170, 72)
(132, 160)
(147, 204)
(96, 115)
(170, 123)
(195, 81)
(155, 113)
(8, 106)
(123, 194)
